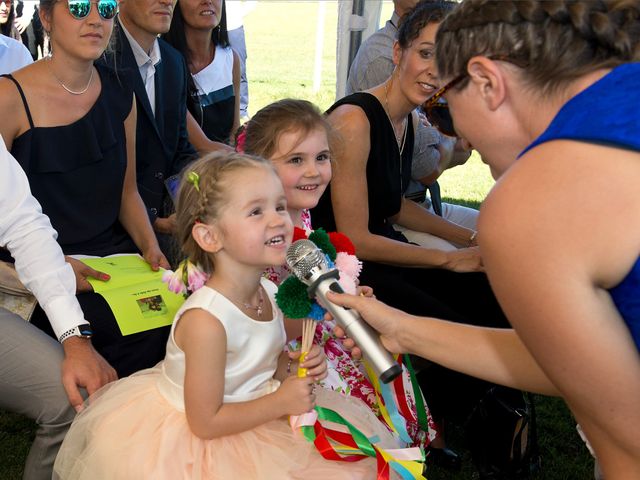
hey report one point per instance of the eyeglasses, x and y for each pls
(436, 108)
(80, 9)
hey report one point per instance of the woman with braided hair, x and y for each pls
(547, 92)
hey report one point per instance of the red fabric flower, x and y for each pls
(342, 243)
(298, 234)
(241, 139)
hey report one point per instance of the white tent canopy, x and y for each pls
(357, 19)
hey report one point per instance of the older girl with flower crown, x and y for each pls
(295, 136)
(216, 406)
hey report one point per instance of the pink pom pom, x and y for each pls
(347, 283)
(348, 265)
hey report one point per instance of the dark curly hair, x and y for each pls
(424, 13)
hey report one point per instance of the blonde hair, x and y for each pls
(554, 41)
(201, 197)
(288, 115)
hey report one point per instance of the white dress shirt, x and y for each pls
(13, 55)
(27, 233)
(147, 62)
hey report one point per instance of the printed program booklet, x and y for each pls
(137, 296)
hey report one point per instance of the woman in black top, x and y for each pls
(71, 126)
(365, 198)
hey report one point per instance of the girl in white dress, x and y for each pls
(297, 138)
(217, 406)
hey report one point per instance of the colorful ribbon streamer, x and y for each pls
(353, 445)
(394, 403)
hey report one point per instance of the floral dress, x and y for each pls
(346, 375)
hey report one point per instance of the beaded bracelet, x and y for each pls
(289, 367)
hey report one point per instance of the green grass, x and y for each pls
(281, 42)
(16, 435)
(281, 38)
(466, 184)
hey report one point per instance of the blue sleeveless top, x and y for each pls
(607, 113)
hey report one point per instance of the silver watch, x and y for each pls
(82, 331)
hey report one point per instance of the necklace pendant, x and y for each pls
(258, 308)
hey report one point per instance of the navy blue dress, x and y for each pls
(77, 172)
(607, 113)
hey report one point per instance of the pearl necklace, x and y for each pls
(72, 92)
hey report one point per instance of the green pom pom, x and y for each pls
(292, 298)
(321, 239)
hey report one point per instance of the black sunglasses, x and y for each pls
(436, 108)
(80, 9)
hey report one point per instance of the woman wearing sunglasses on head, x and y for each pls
(365, 198)
(71, 126)
(548, 93)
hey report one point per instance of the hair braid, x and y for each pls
(203, 199)
(558, 40)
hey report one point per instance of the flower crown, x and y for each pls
(292, 296)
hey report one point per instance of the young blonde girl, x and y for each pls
(295, 136)
(216, 407)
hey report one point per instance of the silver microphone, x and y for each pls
(309, 264)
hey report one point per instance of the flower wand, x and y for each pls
(292, 296)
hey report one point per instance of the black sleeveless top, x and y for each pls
(388, 173)
(76, 171)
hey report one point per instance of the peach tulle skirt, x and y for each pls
(130, 431)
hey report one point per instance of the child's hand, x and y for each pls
(296, 395)
(365, 291)
(315, 362)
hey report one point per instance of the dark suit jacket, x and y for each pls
(162, 144)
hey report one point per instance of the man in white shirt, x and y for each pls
(38, 377)
(13, 55)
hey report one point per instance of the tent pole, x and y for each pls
(356, 36)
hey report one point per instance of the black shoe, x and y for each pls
(444, 457)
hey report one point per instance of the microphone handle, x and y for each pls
(361, 332)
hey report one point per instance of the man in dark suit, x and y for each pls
(159, 75)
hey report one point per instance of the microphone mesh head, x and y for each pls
(303, 256)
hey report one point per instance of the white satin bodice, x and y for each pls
(253, 348)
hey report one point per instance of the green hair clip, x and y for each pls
(194, 179)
